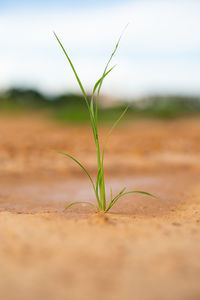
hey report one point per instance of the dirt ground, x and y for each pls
(144, 249)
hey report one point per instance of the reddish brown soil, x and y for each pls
(143, 249)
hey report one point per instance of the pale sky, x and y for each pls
(158, 54)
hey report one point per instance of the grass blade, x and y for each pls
(81, 202)
(92, 107)
(92, 118)
(99, 81)
(126, 193)
(140, 192)
(112, 202)
(84, 169)
(111, 130)
(75, 73)
(97, 181)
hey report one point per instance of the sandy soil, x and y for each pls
(143, 249)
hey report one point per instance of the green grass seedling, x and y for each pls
(98, 185)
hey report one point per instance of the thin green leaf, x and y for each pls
(97, 181)
(140, 192)
(101, 82)
(81, 202)
(92, 107)
(112, 202)
(126, 193)
(97, 187)
(102, 188)
(111, 130)
(84, 169)
(75, 73)
(102, 77)
(92, 118)
(113, 53)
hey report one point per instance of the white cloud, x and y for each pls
(158, 52)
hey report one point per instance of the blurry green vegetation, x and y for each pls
(72, 108)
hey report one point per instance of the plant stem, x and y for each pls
(100, 175)
(101, 181)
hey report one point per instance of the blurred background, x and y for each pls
(158, 61)
(157, 74)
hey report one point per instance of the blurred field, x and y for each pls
(143, 249)
(28, 144)
(71, 108)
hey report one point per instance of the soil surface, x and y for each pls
(143, 249)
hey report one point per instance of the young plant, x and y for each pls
(99, 185)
